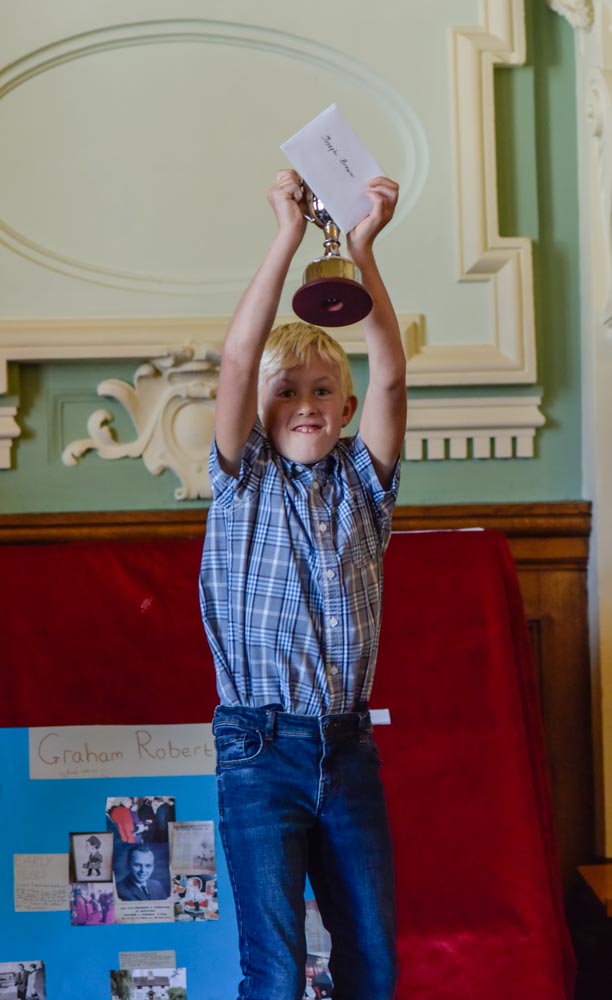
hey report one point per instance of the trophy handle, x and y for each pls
(318, 214)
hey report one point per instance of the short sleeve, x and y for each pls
(226, 487)
(383, 501)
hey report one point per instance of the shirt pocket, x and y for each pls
(361, 534)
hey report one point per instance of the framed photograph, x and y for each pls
(91, 857)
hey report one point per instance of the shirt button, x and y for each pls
(333, 622)
(315, 485)
(322, 528)
(330, 574)
(333, 671)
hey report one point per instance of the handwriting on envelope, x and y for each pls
(335, 164)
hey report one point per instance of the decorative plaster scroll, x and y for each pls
(485, 256)
(164, 338)
(171, 406)
(492, 427)
(9, 430)
(599, 112)
(579, 13)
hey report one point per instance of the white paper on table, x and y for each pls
(336, 166)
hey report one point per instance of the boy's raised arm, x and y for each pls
(236, 405)
(383, 419)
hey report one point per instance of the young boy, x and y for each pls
(290, 591)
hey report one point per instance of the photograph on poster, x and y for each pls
(318, 948)
(195, 898)
(91, 904)
(148, 984)
(21, 980)
(142, 871)
(192, 847)
(91, 857)
(141, 820)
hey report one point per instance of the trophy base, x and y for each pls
(332, 302)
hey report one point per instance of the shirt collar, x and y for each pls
(304, 473)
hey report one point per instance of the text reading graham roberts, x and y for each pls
(52, 751)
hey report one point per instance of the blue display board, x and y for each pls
(37, 817)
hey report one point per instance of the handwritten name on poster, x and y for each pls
(120, 751)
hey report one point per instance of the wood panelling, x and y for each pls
(555, 602)
(549, 543)
(526, 524)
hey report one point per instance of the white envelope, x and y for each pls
(336, 166)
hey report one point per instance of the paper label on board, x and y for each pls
(121, 751)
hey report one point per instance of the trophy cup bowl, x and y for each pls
(331, 293)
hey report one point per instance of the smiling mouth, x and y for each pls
(307, 428)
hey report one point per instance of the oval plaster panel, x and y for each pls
(137, 149)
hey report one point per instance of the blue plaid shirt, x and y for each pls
(291, 577)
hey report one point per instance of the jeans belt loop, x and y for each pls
(270, 730)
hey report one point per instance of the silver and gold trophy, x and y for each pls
(331, 292)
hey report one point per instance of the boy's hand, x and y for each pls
(383, 194)
(286, 198)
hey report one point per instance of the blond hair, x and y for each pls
(293, 344)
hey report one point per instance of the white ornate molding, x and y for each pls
(464, 364)
(505, 351)
(172, 409)
(505, 263)
(579, 13)
(599, 113)
(171, 406)
(9, 430)
(158, 383)
(477, 427)
(206, 32)
(139, 338)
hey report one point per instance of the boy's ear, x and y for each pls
(349, 410)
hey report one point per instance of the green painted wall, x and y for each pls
(538, 198)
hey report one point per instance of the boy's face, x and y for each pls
(303, 410)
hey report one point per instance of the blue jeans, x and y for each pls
(302, 796)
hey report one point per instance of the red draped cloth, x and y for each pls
(110, 633)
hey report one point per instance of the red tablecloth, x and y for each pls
(98, 633)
